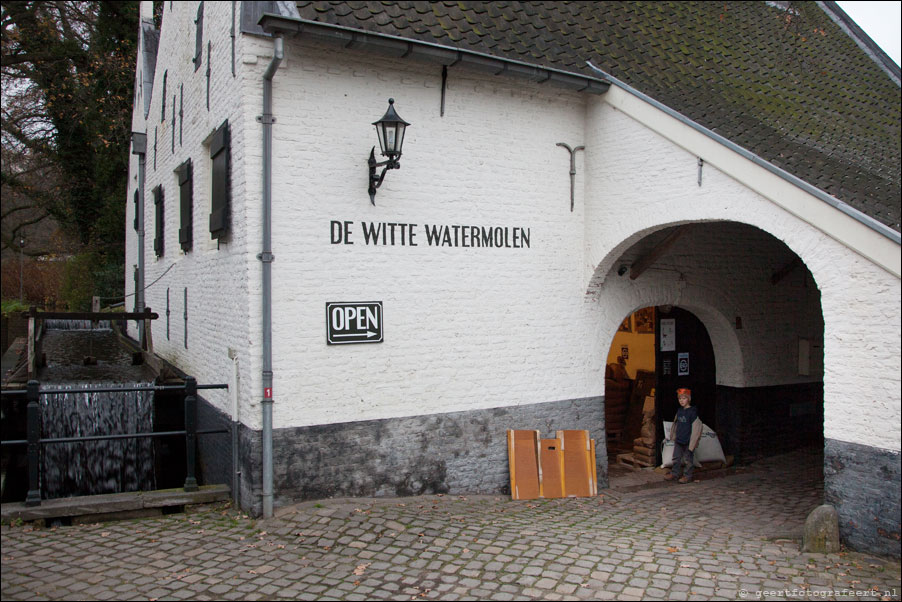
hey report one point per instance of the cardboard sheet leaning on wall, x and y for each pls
(551, 468)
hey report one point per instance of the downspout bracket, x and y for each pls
(266, 257)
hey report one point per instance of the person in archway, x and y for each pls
(685, 433)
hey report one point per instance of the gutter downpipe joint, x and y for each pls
(266, 257)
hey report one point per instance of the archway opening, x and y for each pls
(758, 318)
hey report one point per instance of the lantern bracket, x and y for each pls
(376, 181)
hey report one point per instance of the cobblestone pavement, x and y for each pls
(729, 538)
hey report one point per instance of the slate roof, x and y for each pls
(788, 85)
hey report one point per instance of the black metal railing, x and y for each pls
(34, 441)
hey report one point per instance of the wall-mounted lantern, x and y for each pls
(390, 130)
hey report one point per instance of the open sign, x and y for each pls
(353, 322)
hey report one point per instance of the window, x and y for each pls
(186, 202)
(219, 190)
(159, 230)
(199, 37)
(163, 112)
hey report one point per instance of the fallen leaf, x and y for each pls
(361, 568)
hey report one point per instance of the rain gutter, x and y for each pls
(139, 147)
(266, 257)
(398, 47)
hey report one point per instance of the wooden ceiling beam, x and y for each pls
(785, 270)
(646, 261)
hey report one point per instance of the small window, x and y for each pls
(186, 202)
(219, 190)
(199, 37)
(163, 112)
(159, 229)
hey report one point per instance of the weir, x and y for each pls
(58, 324)
(96, 467)
(89, 418)
(80, 355)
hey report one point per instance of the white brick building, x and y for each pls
(504, 321)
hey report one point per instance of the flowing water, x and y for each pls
(95, 467)
(60, 324)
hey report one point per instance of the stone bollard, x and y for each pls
(821, 533)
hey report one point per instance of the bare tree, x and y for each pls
(67, 79)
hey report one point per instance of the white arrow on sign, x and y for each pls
(369, 334)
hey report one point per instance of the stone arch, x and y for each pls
(713, 304)
(806, 251)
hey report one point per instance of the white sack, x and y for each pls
(708, 450)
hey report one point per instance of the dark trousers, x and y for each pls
(682, 452)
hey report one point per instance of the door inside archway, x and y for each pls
(684, 358)
(655, 351)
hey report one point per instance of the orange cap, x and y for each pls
(684, 392)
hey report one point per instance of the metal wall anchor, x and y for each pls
(572, 152)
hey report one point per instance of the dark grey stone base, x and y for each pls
(863, 483)
(455, 452)
(214, 450)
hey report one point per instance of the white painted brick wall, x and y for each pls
(470, 328)
(456, 319)
(216, 278)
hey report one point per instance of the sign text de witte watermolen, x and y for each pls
(413, 235)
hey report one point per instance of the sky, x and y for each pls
(880, 20)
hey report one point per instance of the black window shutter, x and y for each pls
(158, 237)
(219, 159)
(199, 37)
(186, 202)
